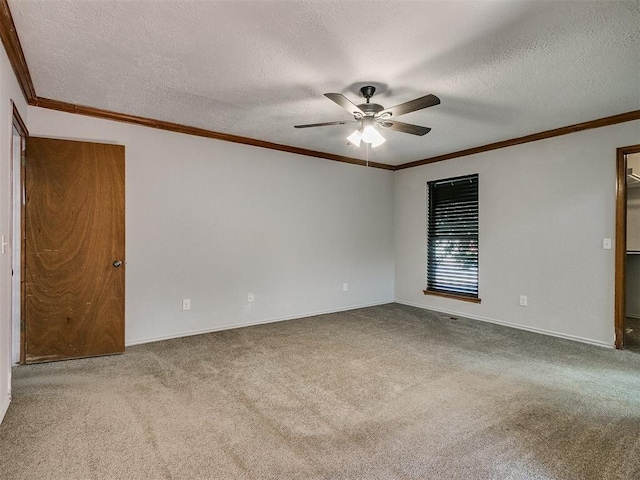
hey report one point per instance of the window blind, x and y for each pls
(452, 236)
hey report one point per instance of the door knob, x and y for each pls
(117, 263)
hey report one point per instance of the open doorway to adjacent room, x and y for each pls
(627, 263)
(631, 330)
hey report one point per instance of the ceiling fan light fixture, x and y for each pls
(379, 141)
(355, 138)
(372, 136)
(370, 114)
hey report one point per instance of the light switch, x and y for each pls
(606, 244)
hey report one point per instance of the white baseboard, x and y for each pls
(4, 407)
(247, 324)
(512, 325)
(633, 315)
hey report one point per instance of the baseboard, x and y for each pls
(249, 324)
(512, 325)
(633, 315)
(4, 407)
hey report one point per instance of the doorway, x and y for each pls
(627, 255)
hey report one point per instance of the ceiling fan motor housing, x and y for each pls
(370, 109)
(367, 91)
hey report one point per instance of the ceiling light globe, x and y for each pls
(378, 141)
(372, 136)
(355, 138)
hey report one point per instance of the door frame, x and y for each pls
(19, 181)
(620, 313)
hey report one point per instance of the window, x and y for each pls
(452, 238)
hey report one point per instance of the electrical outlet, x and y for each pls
(186, 304)
(250, 298)
(345, 287)
(523, 300)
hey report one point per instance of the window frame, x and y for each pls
(443, 292)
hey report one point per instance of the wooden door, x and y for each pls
(74, 239)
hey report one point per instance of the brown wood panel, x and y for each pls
(621, 248)
(75, 230)
(556, 132)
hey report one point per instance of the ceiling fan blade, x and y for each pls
(412, 106)
(342, 122)
(404, 127)
(345, 103)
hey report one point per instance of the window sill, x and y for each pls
(452, 296)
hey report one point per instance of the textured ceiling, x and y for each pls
(502, 69)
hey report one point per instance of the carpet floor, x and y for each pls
(388, 392)
(632, 334)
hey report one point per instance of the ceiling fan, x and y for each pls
(369, 115)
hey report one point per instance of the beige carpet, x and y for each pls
(390, 392)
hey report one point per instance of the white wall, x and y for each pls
(212, 221)
(9, 90)
(545, 208)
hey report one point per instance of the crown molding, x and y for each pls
(556, 132)
(14, 51)
(198, 132)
